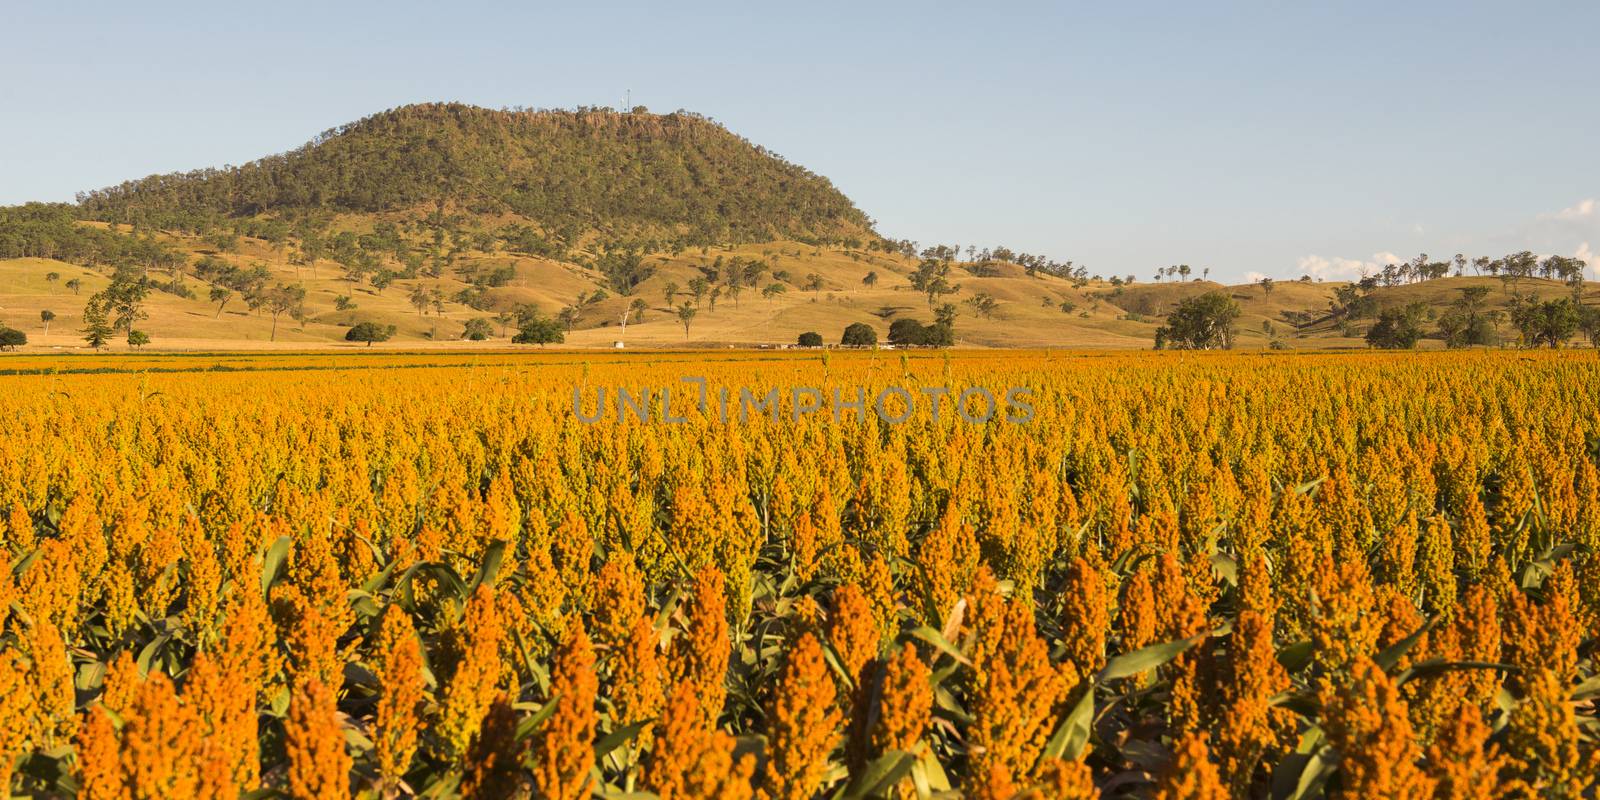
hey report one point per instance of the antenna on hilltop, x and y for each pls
(627, 99)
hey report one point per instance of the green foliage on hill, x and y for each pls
(50, 230)
(679, 177)
(1398, 328)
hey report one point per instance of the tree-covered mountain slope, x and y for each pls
(676, 177)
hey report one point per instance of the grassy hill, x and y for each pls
(749, 319)
(1028, 310)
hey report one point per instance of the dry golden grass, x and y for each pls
(1029, 311)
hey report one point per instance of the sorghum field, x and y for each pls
(1189, 576)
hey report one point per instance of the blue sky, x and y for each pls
(1250, 138)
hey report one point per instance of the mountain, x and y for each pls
(676, 177)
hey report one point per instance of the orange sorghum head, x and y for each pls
(701, 650)
(474, 683)
(99, 756)
(564, 751)
(319, 765)
(1191, 775)
(852, 630)
(1085, 617)
(1463, 761)
(1368, 722)
(1543, 741)
(51, 677)
(1015, 694)
(691, 758)
(617, 598)
(160, 740)
(637, 678)
(802, 724)
(399, 671)
(1246, 725)
(229, 748)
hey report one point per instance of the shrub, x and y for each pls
(11, 338)
(477, 330)
(1397, 328)
(1204, 322)
(369, 332)
(539, 330)
(911, 333)
(859, 334)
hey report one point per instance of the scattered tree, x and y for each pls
(505, 318)
(984, 304)
(477, 329)
(534, 328)
(809, 339)
(138, 339)
(1203, 322)
(686, 314)
(47, 316)
(932, 278)
(97, 329)
(568, 317)
(220, 296)
(859, 334)
(1397, 328)
(124, 298)
(624, 269)
(635, 311)
(419, 298)
(1589, 323)
(11, 338)
(911, 333)
(369, 332)
(1550, 323)
(282, 300)
(1467, 323)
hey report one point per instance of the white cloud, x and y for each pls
(1253, 277)
(1573, 230)
(1335, 268)
(1330, 269)
(1584, 208)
